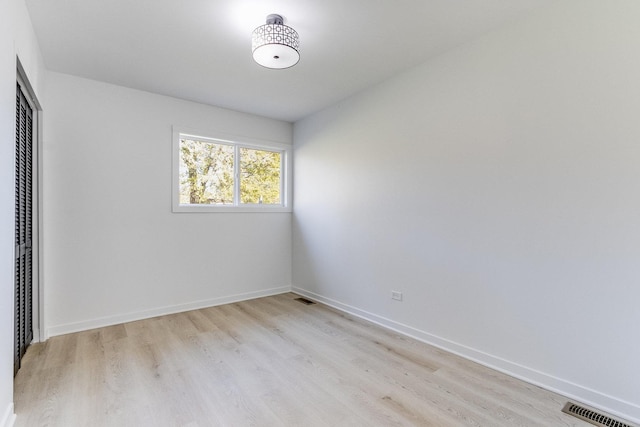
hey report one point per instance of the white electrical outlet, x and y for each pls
(396, 295)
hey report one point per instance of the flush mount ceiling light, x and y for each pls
(275, 45)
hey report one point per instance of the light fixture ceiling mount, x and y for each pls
(274, 44)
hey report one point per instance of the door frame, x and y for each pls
(37, 249)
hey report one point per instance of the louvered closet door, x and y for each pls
(23, 215)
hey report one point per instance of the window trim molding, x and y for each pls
(239, 141)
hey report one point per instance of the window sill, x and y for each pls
(230, 209)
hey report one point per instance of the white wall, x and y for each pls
(498, 188)
(16, 40)
(113, 250)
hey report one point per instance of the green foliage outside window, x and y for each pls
(260, 176)
(207, 174)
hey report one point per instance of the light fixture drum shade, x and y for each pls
(275, 45)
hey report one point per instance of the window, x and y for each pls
(229, 174)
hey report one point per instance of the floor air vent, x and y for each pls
(592, 417)
(305, 301)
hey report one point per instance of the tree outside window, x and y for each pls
(207, 174)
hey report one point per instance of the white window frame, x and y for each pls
(238, 142)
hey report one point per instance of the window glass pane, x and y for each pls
(206, 172)
(260, 176)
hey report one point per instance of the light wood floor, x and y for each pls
(266, 362)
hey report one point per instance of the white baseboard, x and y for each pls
(612, 405)
(161, 311)
(8, 418)
(36, 336)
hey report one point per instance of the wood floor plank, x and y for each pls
(266, 362)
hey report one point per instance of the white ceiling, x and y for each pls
(200, 50)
